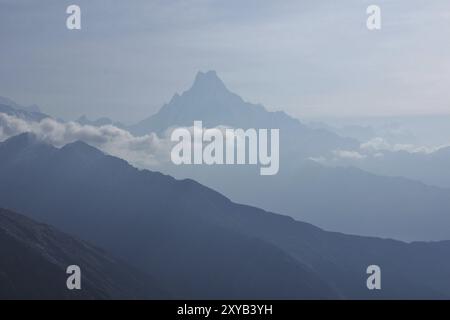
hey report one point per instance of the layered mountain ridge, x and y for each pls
(197, 242)
(35, 257)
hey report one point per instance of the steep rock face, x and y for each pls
(35, 256)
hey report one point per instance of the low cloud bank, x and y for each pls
(148, 151)
(144, 151)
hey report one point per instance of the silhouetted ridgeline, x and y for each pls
(35, 256)
(199, 244)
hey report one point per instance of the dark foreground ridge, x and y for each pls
(35, 256)
(197, 243)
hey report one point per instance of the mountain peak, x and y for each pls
(208, 81)
(8, 102)
(81, 147)
(22, 140)
(11, 103)
(24, 143)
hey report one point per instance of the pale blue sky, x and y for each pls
(307, 58)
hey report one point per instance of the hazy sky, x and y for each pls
(305, 57)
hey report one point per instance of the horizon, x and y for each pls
(306, 117)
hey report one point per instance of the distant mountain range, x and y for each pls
(35, 257)
(30, 114)
(199, 244)
(83, 120)
(340, 199)
(33, 108)
(431, 168)
(210, 101)
(343, 199)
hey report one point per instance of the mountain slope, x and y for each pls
(430, 168)
(35, 257)
(343, 199)
(199, 243)
(147, 219)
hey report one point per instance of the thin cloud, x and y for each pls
(379, 144)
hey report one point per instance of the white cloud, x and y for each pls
(375, 148)
(355, 155)
(145, 151)
(321, 159)
(380, 144)
(148, 151)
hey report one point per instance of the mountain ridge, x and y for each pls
(30, 113)
(35, 257)
(202, 245)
